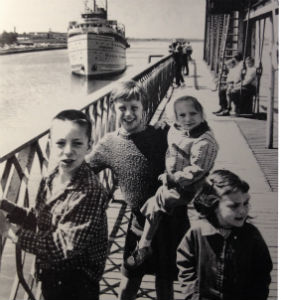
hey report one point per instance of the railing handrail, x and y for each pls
(97, 96)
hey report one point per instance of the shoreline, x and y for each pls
(24, 50)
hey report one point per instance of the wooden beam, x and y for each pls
(263, 10)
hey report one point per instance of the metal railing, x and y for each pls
(22, 169)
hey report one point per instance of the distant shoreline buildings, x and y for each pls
(13, 42)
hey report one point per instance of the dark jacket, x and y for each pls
(236, 267)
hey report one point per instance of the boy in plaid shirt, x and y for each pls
(67, 229)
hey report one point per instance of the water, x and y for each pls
(35, 86)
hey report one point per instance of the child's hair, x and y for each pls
(78, 117)
(219, 183)
(129, 90)
(171, 110)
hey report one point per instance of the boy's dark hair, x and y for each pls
(77, 117)
(220, 182)
(129, 90)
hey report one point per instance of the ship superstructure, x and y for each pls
(96, 45)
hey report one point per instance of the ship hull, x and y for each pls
(93, 54)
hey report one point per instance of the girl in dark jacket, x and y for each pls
(223, 256)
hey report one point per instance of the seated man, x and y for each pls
(242, 93)
(234, 76)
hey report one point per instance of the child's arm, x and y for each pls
(202, 158)
(99, 157)
(79, 225)
(21, 216)
(186, 263)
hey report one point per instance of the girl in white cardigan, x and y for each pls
(192, 150)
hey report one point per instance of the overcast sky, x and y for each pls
(142, 18)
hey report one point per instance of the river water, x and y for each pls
(35, 86)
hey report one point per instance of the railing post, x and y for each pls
(270, 106)
(153, 55)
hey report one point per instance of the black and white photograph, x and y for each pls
(139, 149)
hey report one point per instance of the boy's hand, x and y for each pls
(4, 224)
(171, 197)
(163, 178)
(7, 229)
(160, 124)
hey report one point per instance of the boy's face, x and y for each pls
(129, 114)
(233, 209)
(187, 116)
(69, 144)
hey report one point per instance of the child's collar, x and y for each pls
(72, 184)
(208, 229)
(127, 134)
(195, 132)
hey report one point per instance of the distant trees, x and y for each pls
(8, 38)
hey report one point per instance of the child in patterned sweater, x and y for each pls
(135, 153)
(192, 150)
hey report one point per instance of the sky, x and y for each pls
(142, 18)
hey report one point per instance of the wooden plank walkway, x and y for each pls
(266, 158)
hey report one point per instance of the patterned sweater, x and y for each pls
(136, 161)
(191, 154)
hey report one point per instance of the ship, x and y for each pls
(96, 46)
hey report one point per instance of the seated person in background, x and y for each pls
(243, 92)
(234, 76)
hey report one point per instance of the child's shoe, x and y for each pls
(138, 257)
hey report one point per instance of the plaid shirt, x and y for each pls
(71, 227)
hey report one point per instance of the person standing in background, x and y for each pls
(185, 59)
